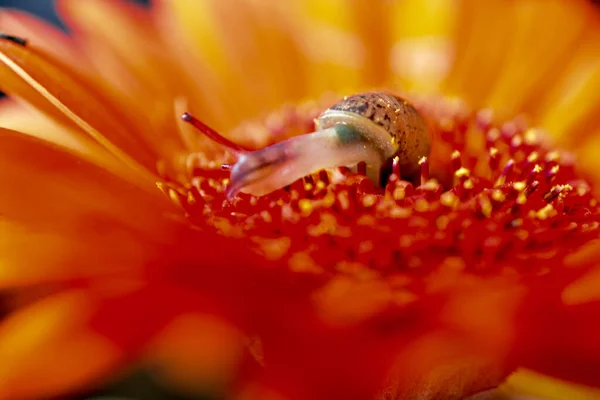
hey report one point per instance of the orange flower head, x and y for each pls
(383, 209)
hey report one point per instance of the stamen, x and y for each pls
(214, 135)
(553, 194)
(494, 158)
(551, 174)
(361, 168)
(14, 39)
(508, 169)
(424, 170)
(344, 170)
(226, 167)
(323, 177)
(456, 162)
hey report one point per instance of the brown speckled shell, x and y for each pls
(398, 117)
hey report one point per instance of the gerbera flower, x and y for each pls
(120, 246)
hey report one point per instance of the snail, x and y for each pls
(370, 127)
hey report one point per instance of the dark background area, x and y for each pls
(42, 8)
(45, 8)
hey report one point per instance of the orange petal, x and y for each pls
(46, 351)
(537, 54)
(569, 110)
(135, 60)
(58, 209)
(484, 36)
(423, 35)
(59, 92)
(242, 32)
(27, 120)
(190, 28)
(335, 53)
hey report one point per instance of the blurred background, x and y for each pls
(45, 8)
(42, 8)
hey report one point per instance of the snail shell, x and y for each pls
(371, 127)
(389, 122)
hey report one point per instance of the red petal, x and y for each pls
(60, 215)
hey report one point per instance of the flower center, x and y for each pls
(491, 195)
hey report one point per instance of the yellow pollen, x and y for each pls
(305, 206)
(442, 222)
(521, 198)
(498, 196)
(546, 212)
(520, 186)
(449, 199)
(422, 160)
(537, 169)
(329, 200)
(486, 206)
(455, 154)
(366, 220)
(521, 233)
(308, 187)
(462, 172)
(593, 202)
(174, 196)
(321, 185)
(421, 205)
(266, 216)
(531, 136)
(399, 193)
(533, 156)
(431, 185)
(344, 200)
(273, 249)
(400, 212)
(493, 151)
(191, 199)
(517, 222)
(590, 227)
(302, 262)
(553, 156)
(369, 200)
(468, 184)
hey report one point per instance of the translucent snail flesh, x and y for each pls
(371, 127)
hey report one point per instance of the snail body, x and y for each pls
(371, 127)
